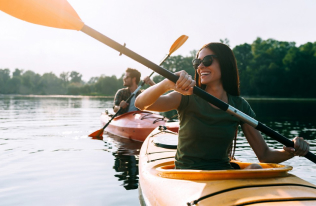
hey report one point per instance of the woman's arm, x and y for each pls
(266, 154)
(153, 99)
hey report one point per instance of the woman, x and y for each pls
(207, 132)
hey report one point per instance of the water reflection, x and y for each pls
(126, 153)
(126, 167)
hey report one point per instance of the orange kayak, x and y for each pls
(136, 125)
(161, 184)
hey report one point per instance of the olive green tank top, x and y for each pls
(206, 133)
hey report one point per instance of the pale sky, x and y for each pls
(149, 28)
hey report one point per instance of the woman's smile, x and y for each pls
(210, 73)
(205, 74)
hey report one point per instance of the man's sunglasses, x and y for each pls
(207, 61)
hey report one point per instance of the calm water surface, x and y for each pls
(47, 158)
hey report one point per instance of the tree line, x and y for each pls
(267, 68)
(68, 83)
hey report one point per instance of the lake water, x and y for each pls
(47, 158)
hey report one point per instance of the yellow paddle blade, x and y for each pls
(52, 13)
(178, 43)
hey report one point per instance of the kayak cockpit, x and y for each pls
(167, 170)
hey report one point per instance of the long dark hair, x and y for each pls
(228, 66)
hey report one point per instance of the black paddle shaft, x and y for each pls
(196, 90)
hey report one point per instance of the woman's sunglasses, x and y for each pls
(207, 61)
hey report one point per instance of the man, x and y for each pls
(130, 81)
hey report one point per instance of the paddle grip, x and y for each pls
(283, 140)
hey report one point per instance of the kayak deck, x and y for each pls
(136, 125)
(161, 184)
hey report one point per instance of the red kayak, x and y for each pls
(136, 125)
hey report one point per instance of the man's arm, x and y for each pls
(119, 101)
(148, 81)
(123, 105)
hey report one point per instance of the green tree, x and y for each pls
(13, 85)
(52, 84)
(31, 83)
(262, 69)
(74, 89)
(300, 66)
(75, 77)
(86, 89)
(244, 57)
(64, 76)
(91, 83)
(17, 72)
(93, 80)
(4, 78)
(108, 85)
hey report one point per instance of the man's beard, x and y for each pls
(127, 84)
